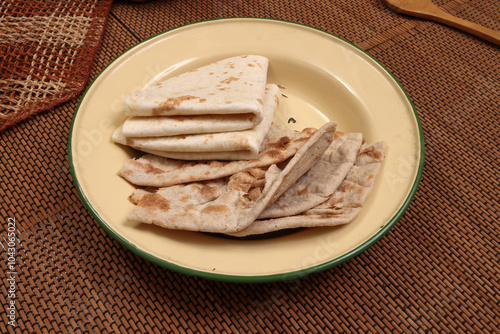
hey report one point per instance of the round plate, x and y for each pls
(323, 77)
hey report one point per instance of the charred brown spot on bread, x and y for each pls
(303, 191)
(281, 144)
(202, 100)
(258, 64)
(346, 187)
(150, 169)
(218, 208)
(372, 152)
(184, 198)
(210, 192)
(129, 142)
(154, 201)
(171, 103)
(135, 163)
(260, 101)
(274, 154)
(229, 80)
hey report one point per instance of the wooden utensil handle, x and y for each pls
(467, 26)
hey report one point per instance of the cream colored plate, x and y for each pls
(324, 78)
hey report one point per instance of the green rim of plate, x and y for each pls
(258, 278)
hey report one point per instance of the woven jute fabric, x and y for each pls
(47, 48)
(436, 271)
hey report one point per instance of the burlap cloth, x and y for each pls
(437, 270)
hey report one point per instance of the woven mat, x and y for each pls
(47, 50)
(437, 270)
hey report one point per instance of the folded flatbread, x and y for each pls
(151, 170)
(159, 126)
(319, 183)
(226, 145)
(227, 204)
(344, 204)
(231, 86)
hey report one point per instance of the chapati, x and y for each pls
(245, 143)
(230, 86)
(315, 186)
(159, 126)
(152, 170)
(229, 204)
(344, 204)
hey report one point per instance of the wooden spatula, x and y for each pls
(427, 10)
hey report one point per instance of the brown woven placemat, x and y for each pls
(436, 271)
(47, 50)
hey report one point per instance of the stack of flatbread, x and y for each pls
(223, 110)
(312, 178)
(217, 163)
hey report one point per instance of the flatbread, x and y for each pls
(342, 207)
(152, 170)
(228, 204)
(319, 183)
(231, 86)
(244, 144)
(160, 126)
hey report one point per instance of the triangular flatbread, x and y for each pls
(231, 86)
(319, 183)
(344, 204)
(154, 171)
(228, 204)
(225, 146)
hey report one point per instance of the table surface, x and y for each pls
(436, 270)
